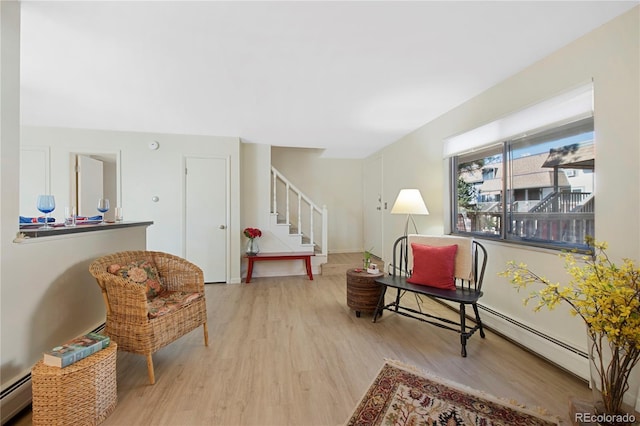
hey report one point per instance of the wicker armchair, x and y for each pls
(129, 322)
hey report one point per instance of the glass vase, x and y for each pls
(366, 263)
(252, 247)
(615, 381)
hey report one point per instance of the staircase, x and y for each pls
(565, 202)
(290, 236)
(296, 219)
(298, 224)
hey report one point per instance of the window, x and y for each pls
(528, 177)
(534, 189)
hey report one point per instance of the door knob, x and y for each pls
(222, 227)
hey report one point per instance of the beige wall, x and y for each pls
(146, 173)
(9, 175)
(609, 56)
(256, 198)
(255, 185)
(46, 293)
(336, 183)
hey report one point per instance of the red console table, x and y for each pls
(305, 256)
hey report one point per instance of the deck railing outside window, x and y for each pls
(539, 190)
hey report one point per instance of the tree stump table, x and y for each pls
(362, 291)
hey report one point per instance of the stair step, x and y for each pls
(290, 236)
(338, 264)
(329, 269)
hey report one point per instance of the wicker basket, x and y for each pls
(83, 393)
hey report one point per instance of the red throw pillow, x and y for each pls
(433, 266)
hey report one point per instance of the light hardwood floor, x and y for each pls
(288, 351)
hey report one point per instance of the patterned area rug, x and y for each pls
(403, 395)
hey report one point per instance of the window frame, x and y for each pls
(582, 125)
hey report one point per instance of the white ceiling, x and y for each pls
(349, 77)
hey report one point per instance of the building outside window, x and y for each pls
(535, 189)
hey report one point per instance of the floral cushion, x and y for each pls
(170, 301)
(143, 272)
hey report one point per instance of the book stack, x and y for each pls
(76, 349)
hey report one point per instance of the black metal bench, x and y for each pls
(468, 272)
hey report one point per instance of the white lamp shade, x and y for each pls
(409, 201)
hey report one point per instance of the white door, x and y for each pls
(90, 185)
(373, 206)
(206, 216)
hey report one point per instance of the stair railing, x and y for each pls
(302, 201)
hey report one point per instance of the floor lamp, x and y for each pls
(409, 202)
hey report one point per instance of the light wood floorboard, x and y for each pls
(288, 351)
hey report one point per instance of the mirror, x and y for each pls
(90, 176)
(94, 176)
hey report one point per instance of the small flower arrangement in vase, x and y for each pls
(366, 261)
(607, 298)
(252, 244)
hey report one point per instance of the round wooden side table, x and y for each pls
(362, 291)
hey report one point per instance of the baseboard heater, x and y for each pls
(538, 333)
(566, 347)
(518, 324)
(17, 396)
